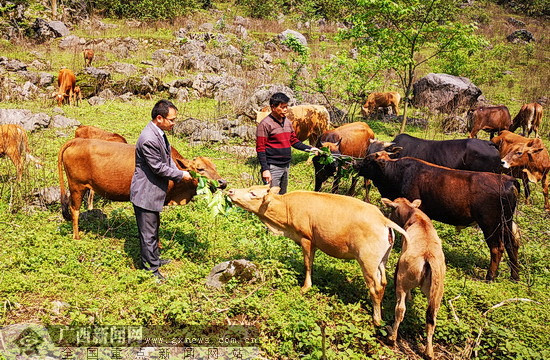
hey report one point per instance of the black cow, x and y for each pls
(455, 197)
(461, 154)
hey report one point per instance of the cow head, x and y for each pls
(377, 146)
(372, 163)
(402, 209)
(253, 199)
(521, 155)
(182, 192)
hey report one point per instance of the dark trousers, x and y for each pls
(148, 228)
(279, 177)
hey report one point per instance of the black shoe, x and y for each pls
(165, 261)
(159, 276)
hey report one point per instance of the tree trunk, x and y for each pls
(409, 80)
(54, 9)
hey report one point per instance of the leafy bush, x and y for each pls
(148, 9)
(531, 7)
(263, 9)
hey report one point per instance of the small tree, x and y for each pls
(409, 33)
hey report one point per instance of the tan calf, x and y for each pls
(340, 226)
(77, 95)
(422, 263)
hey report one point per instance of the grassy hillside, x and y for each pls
(96, 280)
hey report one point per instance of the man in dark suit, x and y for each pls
(154, 167)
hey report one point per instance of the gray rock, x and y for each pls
(244, 132)
(161, 55)
(260, 98)
(124, 68)
(100, 74)
(126, 97)
(46, 196)
(24, 118)
(241, 32)
(515, 22)
(180, 33)
(38, 65)
(520, 36)
(58, 110)
(71, 41)
(206, 27)
(96, 100)
(107, 94)
(180, 94)
(15, 65)
(239, 20)
(243, 270)
(337, 116)
(292, 33)
(543, 100)
(60, 121)
(240, 151)
(28, 91)
(353, 53)
(58, 28)
(445, 93)
(90, 215)
(46, 79)
(267, 58)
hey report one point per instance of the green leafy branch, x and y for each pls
(217, 201)
(344, 163)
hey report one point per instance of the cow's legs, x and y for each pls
(368, 185)
(351, 190)
(545, 182)
(400, 308)
(526, 189)
(18, 162)
(335, 184)
(91, 199)
(496, 248)
(76, 201)
(373, 280)
(395, 109)
(308, 250)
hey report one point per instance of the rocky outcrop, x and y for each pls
(521, 36)
(445, 93)
(34, 121)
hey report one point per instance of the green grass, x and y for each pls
(97, 277)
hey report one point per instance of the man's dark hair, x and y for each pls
(278, 98)
(162, 108)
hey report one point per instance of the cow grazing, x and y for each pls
(529, 118)
(77, 95)
(66, 82)
(340, 226)
(14, 144)
(88, 57)
(422, 263)
(349, 139)
(107, 168)
(526, 159)
(461, 154)
(308, 121)
(381, 99)
(455, 197)
(489, 118)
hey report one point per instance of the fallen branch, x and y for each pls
(453, 308)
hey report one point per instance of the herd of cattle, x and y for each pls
(458, 182)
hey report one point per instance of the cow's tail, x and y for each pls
(399, 229)
(433, 269)
(64, 196)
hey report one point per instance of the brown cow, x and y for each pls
(77, 95)
(88, 57)
(66, 82)
(529, 118)
(107, 168)
(340, 226)
(14, 144)
(381, 99)
(92, 132)
(488, 118)
(455, 197)
(308, 121)
(422, 263)
(526, 159)
(349, 139)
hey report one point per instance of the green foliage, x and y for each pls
(147, 9)
(529, 7)
(298, 62)
(264, 9)
(407, 34)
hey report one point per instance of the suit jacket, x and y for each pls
(154, 167)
